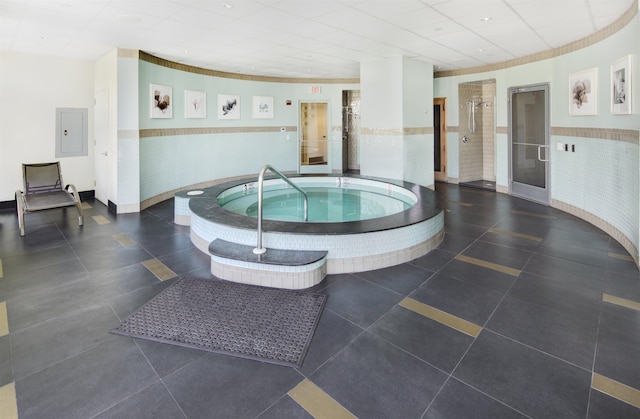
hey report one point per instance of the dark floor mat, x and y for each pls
(266, 324)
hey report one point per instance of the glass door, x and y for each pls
(439, 140)
(529, 142)
(314, 153)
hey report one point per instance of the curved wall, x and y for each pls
(598, 183)
(179, 152)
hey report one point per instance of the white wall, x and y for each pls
(106, 79)
(382, 139)
(396, 112)
(417, 113)
(128, 144)
(32, 87)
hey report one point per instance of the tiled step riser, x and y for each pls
(288, 277)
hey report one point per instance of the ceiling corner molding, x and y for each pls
(145, 56)
(127, 53)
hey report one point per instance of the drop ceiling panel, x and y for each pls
(334, 33)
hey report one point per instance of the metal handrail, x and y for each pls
(259, 249)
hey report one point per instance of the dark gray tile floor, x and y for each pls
(545, 331)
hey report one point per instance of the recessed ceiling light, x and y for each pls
(485, 19)
(480, 50)
(227, 6)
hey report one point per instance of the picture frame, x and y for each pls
(195, 104)
(583, 92)
(228, 106)
(263, 107)
(161, 101)
(621, 86)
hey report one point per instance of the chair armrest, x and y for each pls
(74, 191)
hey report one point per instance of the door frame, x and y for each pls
(315, 168)
(522, 190)
(441, 176)
(101, 145)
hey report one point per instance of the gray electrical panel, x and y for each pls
(72, 132)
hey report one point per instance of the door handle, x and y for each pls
(104, 153)
(540, 147)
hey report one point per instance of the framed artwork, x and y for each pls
(263, 107)
(161, 101)
(583, 92)
(621, 86)
(195, 104)
(228, 106)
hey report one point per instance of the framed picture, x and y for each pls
(195, 104)
(228, 106)
(263, 107)
(621, 86)
(161, 101)
(583, 92)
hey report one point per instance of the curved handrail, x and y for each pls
(259, 249)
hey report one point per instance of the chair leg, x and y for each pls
(80, 215)
(20, 208)
(76, 197)
(21, 223)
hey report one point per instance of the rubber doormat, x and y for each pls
(266, 324)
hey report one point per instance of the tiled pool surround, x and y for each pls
(352, 246)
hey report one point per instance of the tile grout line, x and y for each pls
(450, 375)
(616, 389)
(532, 214)
(124, 239)
(8, 401)
(621, 256)
(621, 302)
(517, 235)
(461, 203)
(442, 317)
(317, 402)
(159, 269)
(489, 265)
(4, 322)
(100, 219)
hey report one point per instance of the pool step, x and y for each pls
(281, 268)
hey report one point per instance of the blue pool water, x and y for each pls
(326, 204)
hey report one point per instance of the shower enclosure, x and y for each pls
(350, 131)
(477, 134)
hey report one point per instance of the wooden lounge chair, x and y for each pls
(43, 190)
